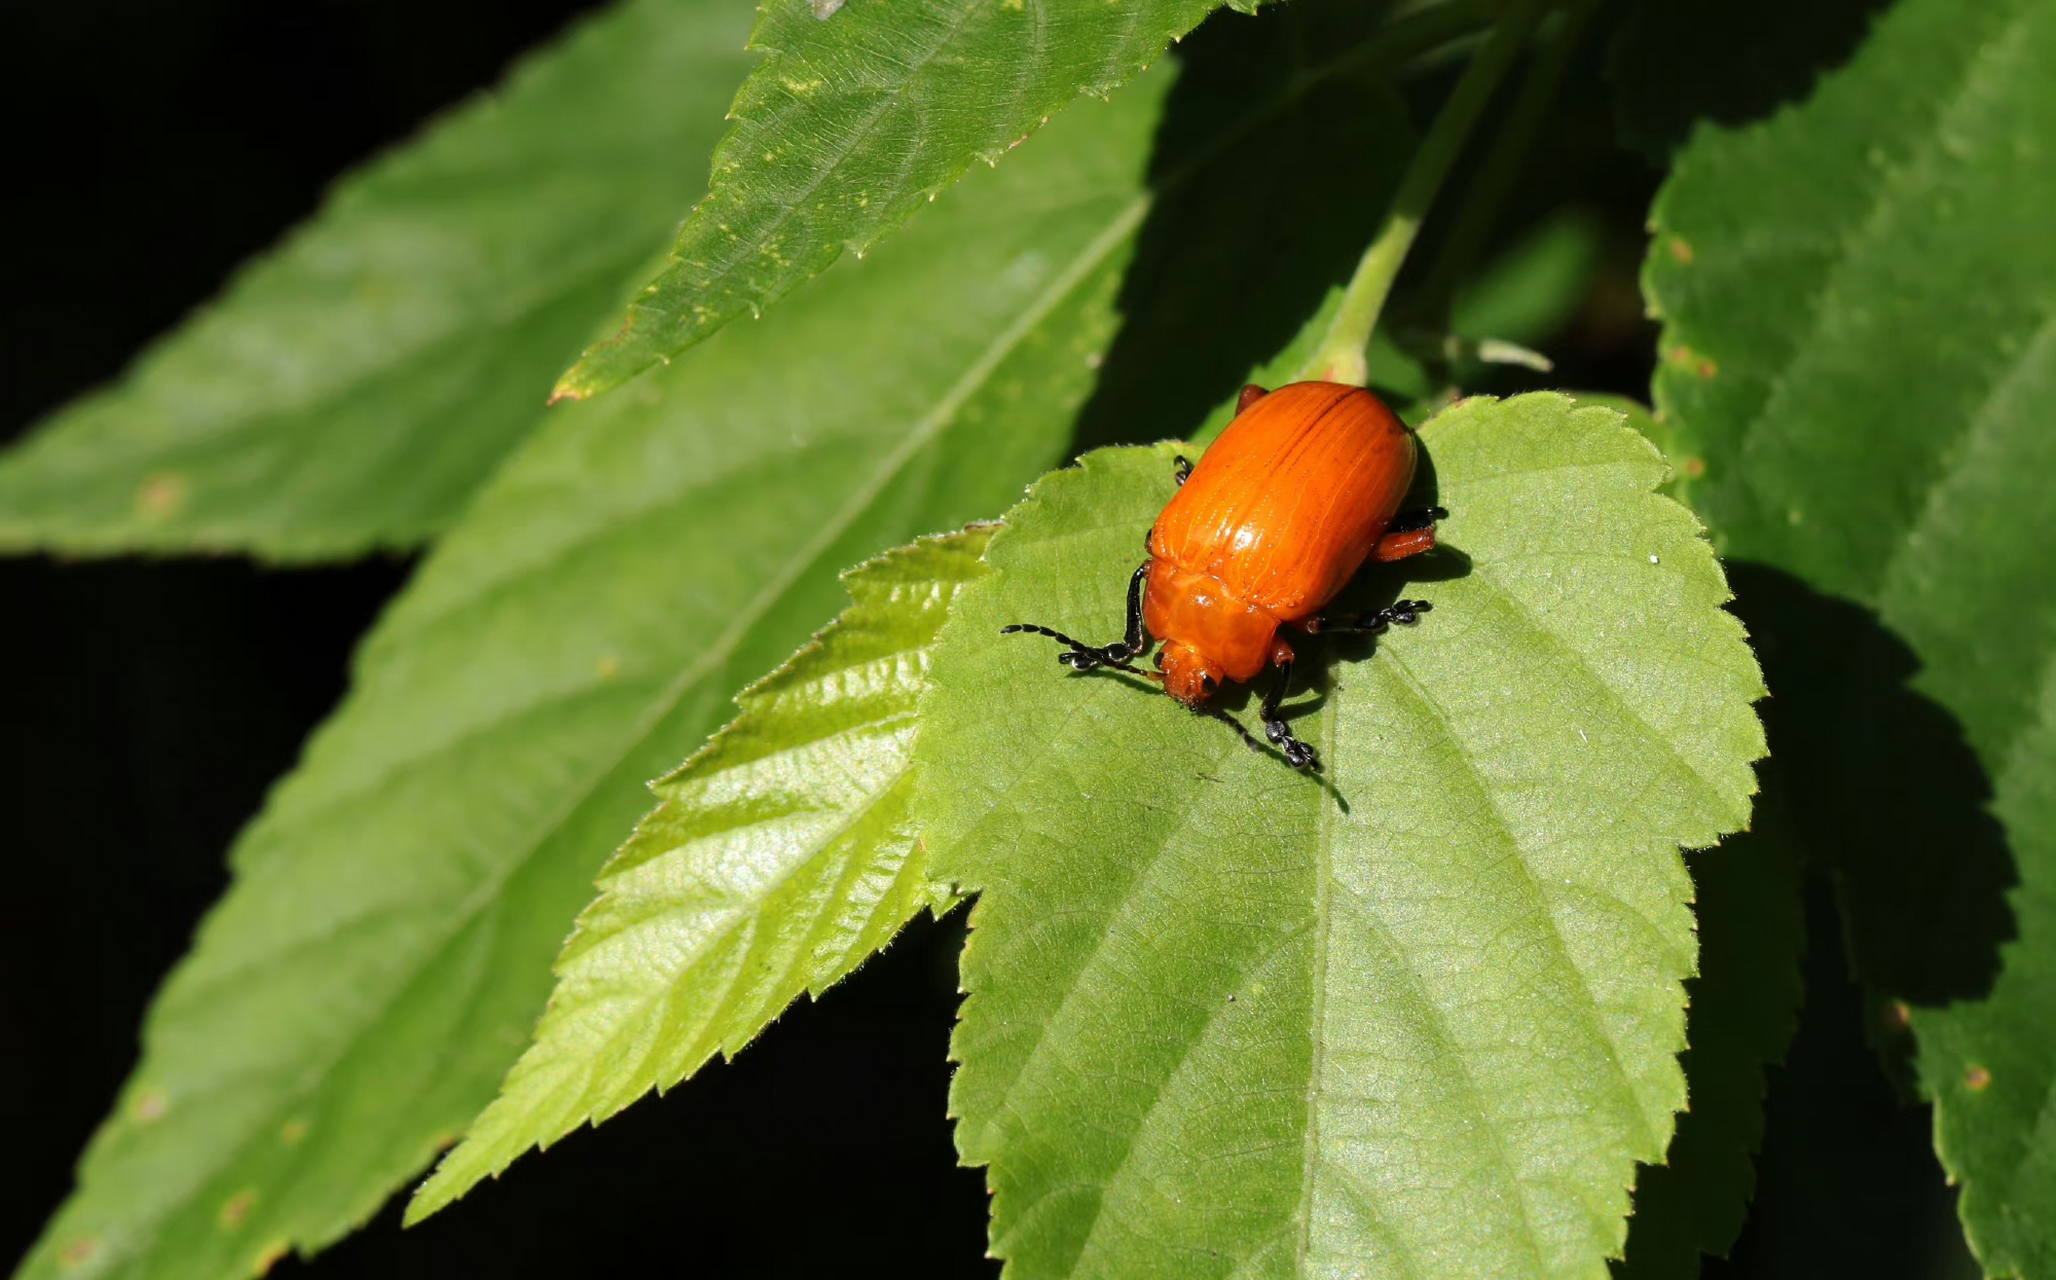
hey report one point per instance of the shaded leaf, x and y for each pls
(1393, 373)
(1869, 388)
(859, 113)
(1674, 63)
(1529, 292)
(354, 387)
(1743, 1009)
(383, 955)
(780, 857)
(1227, 269)
(1416, 1016)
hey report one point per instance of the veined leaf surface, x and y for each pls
(353, 388)
(385, 950)
(1870, 389)
(780, 857)
(861, 111)
(1415, 1016)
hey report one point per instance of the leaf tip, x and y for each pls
(443, 1188)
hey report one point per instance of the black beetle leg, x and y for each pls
(1080, 656)
(1297, 753)
(1402, 613)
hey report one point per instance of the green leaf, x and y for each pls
(385, 951)
(1744, 1008)
(1416, 1016)
(1530, 291)
(1283, 223)
(1860, 299)
(779, 858)
(1674, 63)
(860, 113)
(352, 389)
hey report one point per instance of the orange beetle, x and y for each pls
(1297, 493)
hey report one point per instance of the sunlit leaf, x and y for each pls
(385, 951)
(861, 112)
(781, 856)
(353, 388)
(1416, 1016)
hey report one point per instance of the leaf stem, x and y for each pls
(1494, 180)
(1341, 355)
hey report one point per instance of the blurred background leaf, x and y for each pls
(352, 388)
(1674, 63)
(1869, 388)
(381, 959)
(1423, 1006)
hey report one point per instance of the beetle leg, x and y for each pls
(1080, 656)
(1400, 545)
(1297, 753)
(1182, 465)
(1250, 395)
(1400, 612)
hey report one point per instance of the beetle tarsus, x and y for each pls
(1297, 753)
(1182, 467)
(1403, 613)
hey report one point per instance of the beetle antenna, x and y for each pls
(1057, 636)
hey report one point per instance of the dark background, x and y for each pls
(146, 706)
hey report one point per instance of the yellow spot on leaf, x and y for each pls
(150, 1105)
(78, 1253)
(1977, 1079)
(161, 496)
(236, 1209)
(1681, 251)
(608, 667)
(292, 1132)
(1685, 358)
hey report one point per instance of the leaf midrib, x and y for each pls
(710, 1035)
(1324, 914)
(1933, 506)
(1594, 1025)
(822, 173)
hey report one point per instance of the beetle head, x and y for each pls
(1189, 676)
